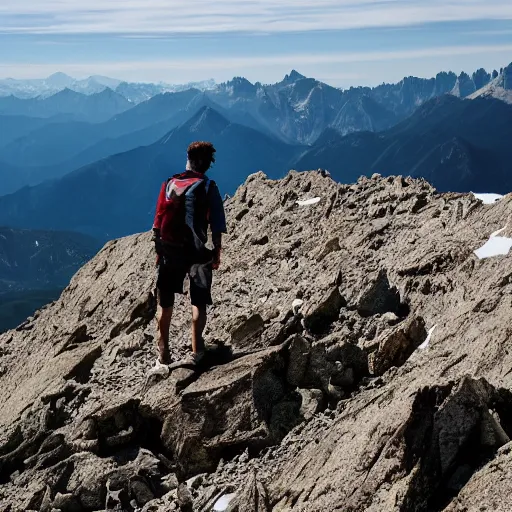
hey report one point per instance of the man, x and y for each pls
(188, 203)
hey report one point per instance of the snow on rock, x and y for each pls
(307, 202)
(488, 198)
(495, 246)
(425, 344)
(223, 502)
(296, 305)
(496, 233)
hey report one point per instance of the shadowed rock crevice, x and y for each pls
(451, 435)
(81, 373)
(381, 297)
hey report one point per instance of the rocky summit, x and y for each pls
(360, 360)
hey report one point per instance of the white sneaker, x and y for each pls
(159, 369)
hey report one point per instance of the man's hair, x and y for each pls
(201, 155)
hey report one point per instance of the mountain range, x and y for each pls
(46, 138)
(93, 108)
(92, 163)
(133, 91)
(116, 195)
(456, 145)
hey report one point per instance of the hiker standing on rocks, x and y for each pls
(188, 203)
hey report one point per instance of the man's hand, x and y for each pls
(217, 247)
(216, 258)
(158, 242)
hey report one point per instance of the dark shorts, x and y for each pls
(172, 271)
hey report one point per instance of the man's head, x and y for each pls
(201, 155)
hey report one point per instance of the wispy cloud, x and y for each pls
(232, 65)
(204, 16)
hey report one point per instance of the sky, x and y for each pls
(342, 42)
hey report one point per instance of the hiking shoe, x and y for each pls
(195, 357)
(159, 369)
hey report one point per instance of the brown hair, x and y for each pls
(201, 155)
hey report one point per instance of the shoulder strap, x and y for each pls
(207, 183)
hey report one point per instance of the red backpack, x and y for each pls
(181, 213)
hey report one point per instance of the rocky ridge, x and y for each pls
(362, 365)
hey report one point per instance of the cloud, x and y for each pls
(229, 66)
(145, 17)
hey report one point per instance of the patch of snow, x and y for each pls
(488, 198)
(223, 502)
(496, 233)
(307, 202)
(495, 246)
(425, 344)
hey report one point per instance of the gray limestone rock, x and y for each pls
(377, 264)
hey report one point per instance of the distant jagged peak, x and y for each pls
(66, 93)
(507, 77)
(109, 93)
(238, 86)
(239, 81)
(499, 87)
(206, 118)
(294, 76)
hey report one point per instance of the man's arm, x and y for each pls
(159, 209)
(157, 223)
(217, 248)
(217, 220)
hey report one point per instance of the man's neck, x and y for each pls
(191, 167)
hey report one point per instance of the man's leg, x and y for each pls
(200, 296)
(164, 316)
(199, 317)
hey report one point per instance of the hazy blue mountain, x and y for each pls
(456, 144)
(163, 107)
(407, 95)
(72, 144)
(15, 307)
(12, 178)
(31, 259)
(299, 109)
(49, 146)
(45, 87)
(139, 92)
(132, 91)
(14, 127)
(93, 108)
(116, 196)
(46, 154)
(34, 268)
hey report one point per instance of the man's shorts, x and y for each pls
(172, 271)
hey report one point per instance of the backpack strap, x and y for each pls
(190, 210)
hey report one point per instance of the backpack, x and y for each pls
(182, 210)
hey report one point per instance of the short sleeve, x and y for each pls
(216, 217)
